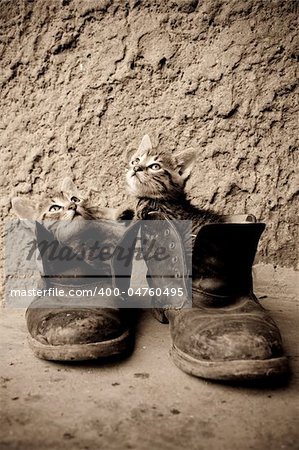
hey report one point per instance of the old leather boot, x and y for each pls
(71, 328)
(227, 334)
(69, 333)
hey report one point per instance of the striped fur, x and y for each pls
(157, 180)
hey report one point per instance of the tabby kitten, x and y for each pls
(68, 204)
(157, 179)
(72, 221)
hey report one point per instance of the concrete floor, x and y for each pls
(145, 402)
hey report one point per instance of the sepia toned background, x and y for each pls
(81, 81)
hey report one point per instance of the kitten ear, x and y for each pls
(23, 208)
(129, 154)
(69, 187)
(145, 144)
(185, 162)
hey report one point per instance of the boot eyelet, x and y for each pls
(172, 245)
(166, 232)
(177, 274)
(174, 259)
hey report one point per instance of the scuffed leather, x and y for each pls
(226, 322)
(240, 331)
(56, 326)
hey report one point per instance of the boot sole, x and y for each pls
(82, 352)
(238, 370)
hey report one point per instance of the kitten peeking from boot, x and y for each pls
(226, 334)
(68, 204)
(64, 327)
(157, 179)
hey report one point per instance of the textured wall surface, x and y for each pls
(82, 80)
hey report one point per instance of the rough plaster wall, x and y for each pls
(82, 80)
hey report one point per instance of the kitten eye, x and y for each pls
(75, 199)
(135, 161)
(54, 208)
(155, 166)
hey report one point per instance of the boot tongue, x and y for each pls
(122, 260)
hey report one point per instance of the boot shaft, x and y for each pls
(222, 259)
(68, 280)
(223, 256)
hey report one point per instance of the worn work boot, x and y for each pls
(66, 327)
(227, 334)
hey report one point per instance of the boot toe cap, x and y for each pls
(75, 327)
(230, 339)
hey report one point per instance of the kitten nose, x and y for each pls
(73, 206)
(137, 168)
